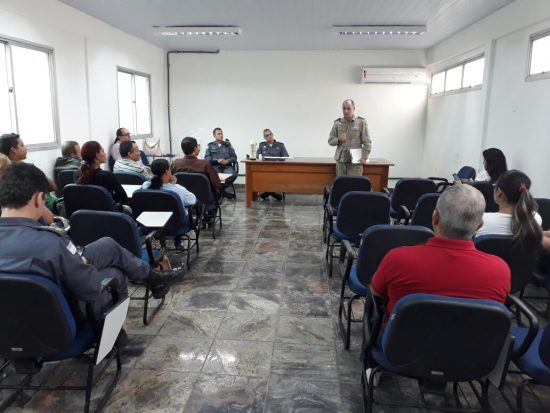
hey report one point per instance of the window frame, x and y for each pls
(461, 89)
(133, 128)
(50, 52)
(538, 76)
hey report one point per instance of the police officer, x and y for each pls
(222, 156)
(349, 132)
(26, 247)
(274, 149)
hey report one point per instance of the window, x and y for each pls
(134, 102)
(539, 64)
(27, 101)
(465, 76)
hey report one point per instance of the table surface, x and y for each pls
(156, 219)
(372, 161)
(130, 189)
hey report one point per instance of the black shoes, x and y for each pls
(278, 197)
(159, 282)
(228, 195)
(264, 195)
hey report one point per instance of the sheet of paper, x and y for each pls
(130, 189)
(223, 176)
(114, 320)
(356, 155)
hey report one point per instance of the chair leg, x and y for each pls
(146, 306)
(112, 385)
(519, 396)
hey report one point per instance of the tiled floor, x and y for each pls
(252, 328)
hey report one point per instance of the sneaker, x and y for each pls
(278, 197)
(160, 281)
(264, 195)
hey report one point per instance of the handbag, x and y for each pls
(152, 147)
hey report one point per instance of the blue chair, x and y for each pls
(423, 211)
(199, 184)
(181, 223)
(376, 242)
(406, 194)
(89, 226)
(91, 197)
(38, 327)
(129, 179)
(340, 186)
(357, 211)
(435, 340)
(466, 172)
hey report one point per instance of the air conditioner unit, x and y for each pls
(412, 75)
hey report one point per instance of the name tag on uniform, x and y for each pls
(71, 247)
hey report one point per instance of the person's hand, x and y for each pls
(364, 160)
(343, 137)
(147, 169)
(173, 179)
(223, 161)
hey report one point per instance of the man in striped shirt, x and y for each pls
(130, 161)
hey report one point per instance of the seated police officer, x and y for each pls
(274, 149)
(26, 247)
(222, 156)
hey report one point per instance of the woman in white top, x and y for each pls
(494, 164)
(517, 211)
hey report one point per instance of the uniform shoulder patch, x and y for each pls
(359, 117)
(338, 120)
(71, 247)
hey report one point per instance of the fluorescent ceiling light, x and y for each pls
(379, 30)
(197, 30)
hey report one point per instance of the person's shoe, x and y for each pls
(228, 195)
(264, 195)
(160, 281)
(278, 197)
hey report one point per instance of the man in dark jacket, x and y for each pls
(69, 159)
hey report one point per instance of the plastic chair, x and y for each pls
(466, 172)
(91, 197)
(424, 209)
(64, 178)
(129, 179)
(406, 195)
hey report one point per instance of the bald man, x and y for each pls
(349, 132)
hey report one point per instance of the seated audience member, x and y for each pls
(130, 162)
(494, 164)
(164, 180)
(26, 247)
(69, 159)
(122, 135)
(190, 163)
(274, 149)
(4, 162)
(448, 264)
(222, 156)
(517, 211)
(93, 156)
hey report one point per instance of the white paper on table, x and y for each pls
(356, 155)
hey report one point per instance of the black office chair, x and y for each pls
(91, 197)
(522, 262)
(38, 327)
(199, 184)
(89, 226)
(406, 194)
(357, 212)
(129, 179)
(64, 178)
(423, 210)
(180, 224)
(376, 242)
(544, 212)
(488, 190)
(435, 340)
(340, 186)
(466, 172)
(235, 166)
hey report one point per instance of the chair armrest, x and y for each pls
(404, 213)
(349, 249)
(386, 191)
(533, 325)
(373, 317)
(440, 187)
(435, 178)
(110, 285)
(149, 246)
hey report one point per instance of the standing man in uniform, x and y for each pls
(274, 149)
(222, 156)
(349, 132)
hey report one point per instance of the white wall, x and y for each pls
(87, 53)
(508, 112)
(298, 95)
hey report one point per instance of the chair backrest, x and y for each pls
(360, 210)
(92, 197)
(544, 348)
(487, 189)
(344, 184)
(64, 178)
(111, 162)
(156, 200)
(89, 226)
(445, 339)
(407, 191)
(35, 319)
(466, 172)
(522, 263)
(144, 159)
(424, 209)
(197, 183)
(129, 179)
(380, 239)
(544, 212)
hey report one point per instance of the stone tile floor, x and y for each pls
(252, 328)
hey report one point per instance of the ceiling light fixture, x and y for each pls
(379, 30)
(197, 30)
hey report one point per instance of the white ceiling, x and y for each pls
(289, 24)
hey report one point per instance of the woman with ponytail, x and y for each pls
(517, 214)
(93, 156)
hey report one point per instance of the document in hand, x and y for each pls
(356, 155)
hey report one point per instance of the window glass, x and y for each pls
(438, 83)
(453, 78)
(5, 110)
(125, 101)
(540, 56)
(473, 73)
(143, 110)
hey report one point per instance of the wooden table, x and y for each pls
(304, 175)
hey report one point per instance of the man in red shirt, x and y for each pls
(190, 162)
(448, 264)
